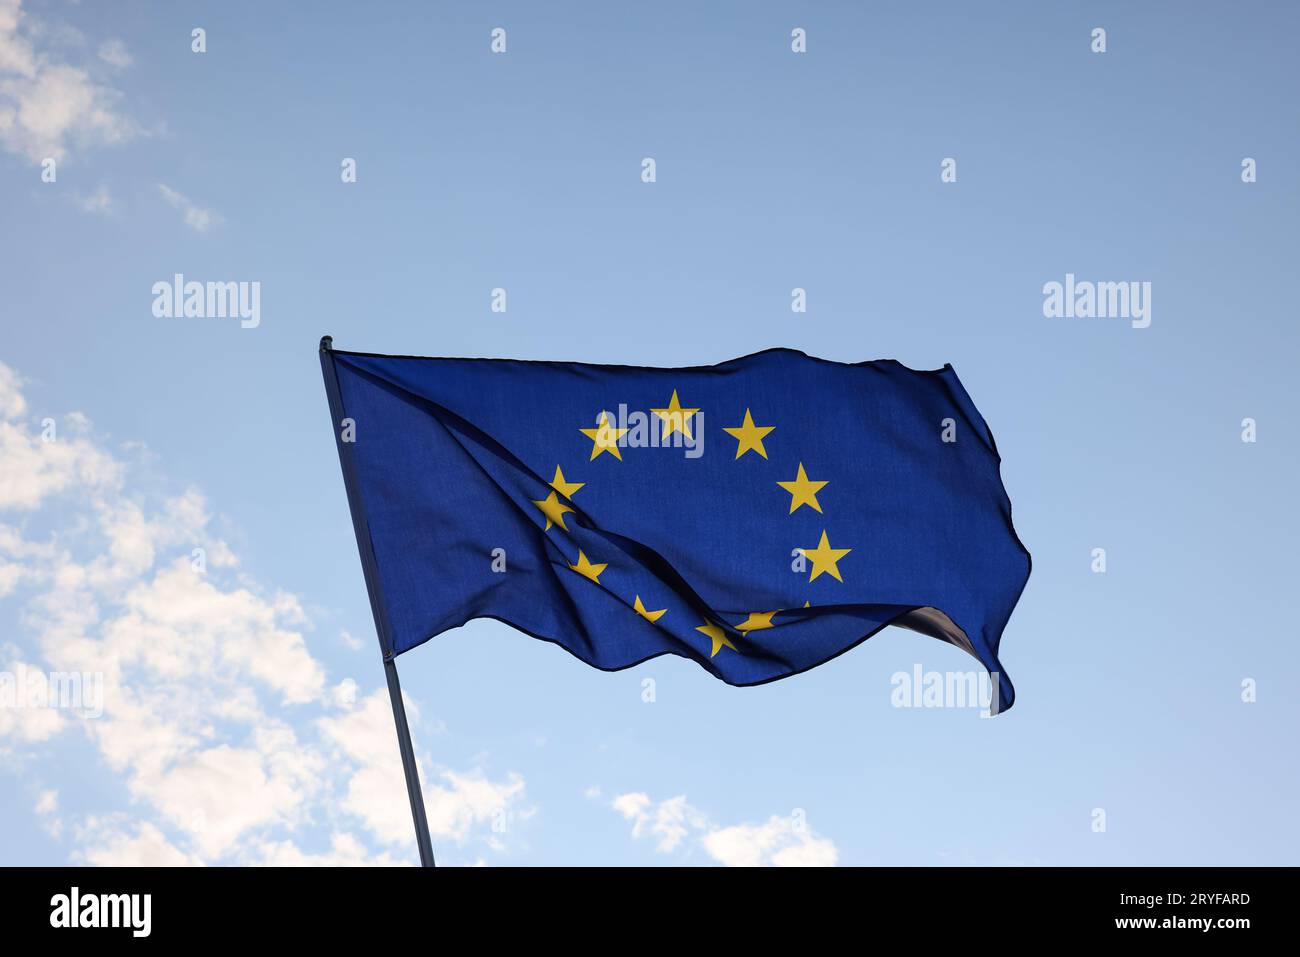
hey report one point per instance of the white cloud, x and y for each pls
(212, 701)
(16, 554)
(118, 843)
(455, 805)
(344, 694)
(668, 821)
(220, 793)
(100, 202)
(467, 800)
(178, 623)
(780, 842)
(196, 217)
(12, 403)
(47, 105)
(114, 53)
(47, 810)
(32, 469)
(16, 53)
(345, 851)
(25, 715)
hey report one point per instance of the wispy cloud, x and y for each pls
(47, 105)
(675, 825)
(114, 53)
(47, 813)
(100, 202)
(196, 217)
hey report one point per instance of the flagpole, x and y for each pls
(362, 531)
(408, 765)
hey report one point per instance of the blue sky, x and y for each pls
(241, 721)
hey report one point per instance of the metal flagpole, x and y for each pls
(376, 604)
(408, 765)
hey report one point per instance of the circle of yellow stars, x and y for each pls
(749, 436)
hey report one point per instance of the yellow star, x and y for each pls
(676, 419)
(757, 621)
(803, 490)
(565, 488)
(554, 510)
(824, 559)
(587, 569)
(647, 615)
(807, 604)
(750, 436)
(604, 437)
(717, 635)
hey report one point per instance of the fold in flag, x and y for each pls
(759, 517)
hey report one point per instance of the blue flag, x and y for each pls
(759, 517)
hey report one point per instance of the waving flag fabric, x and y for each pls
(759, 517)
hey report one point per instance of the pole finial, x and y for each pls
(326, 343)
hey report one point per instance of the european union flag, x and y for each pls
(758, 517)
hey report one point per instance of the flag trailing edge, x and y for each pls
(760, 516)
